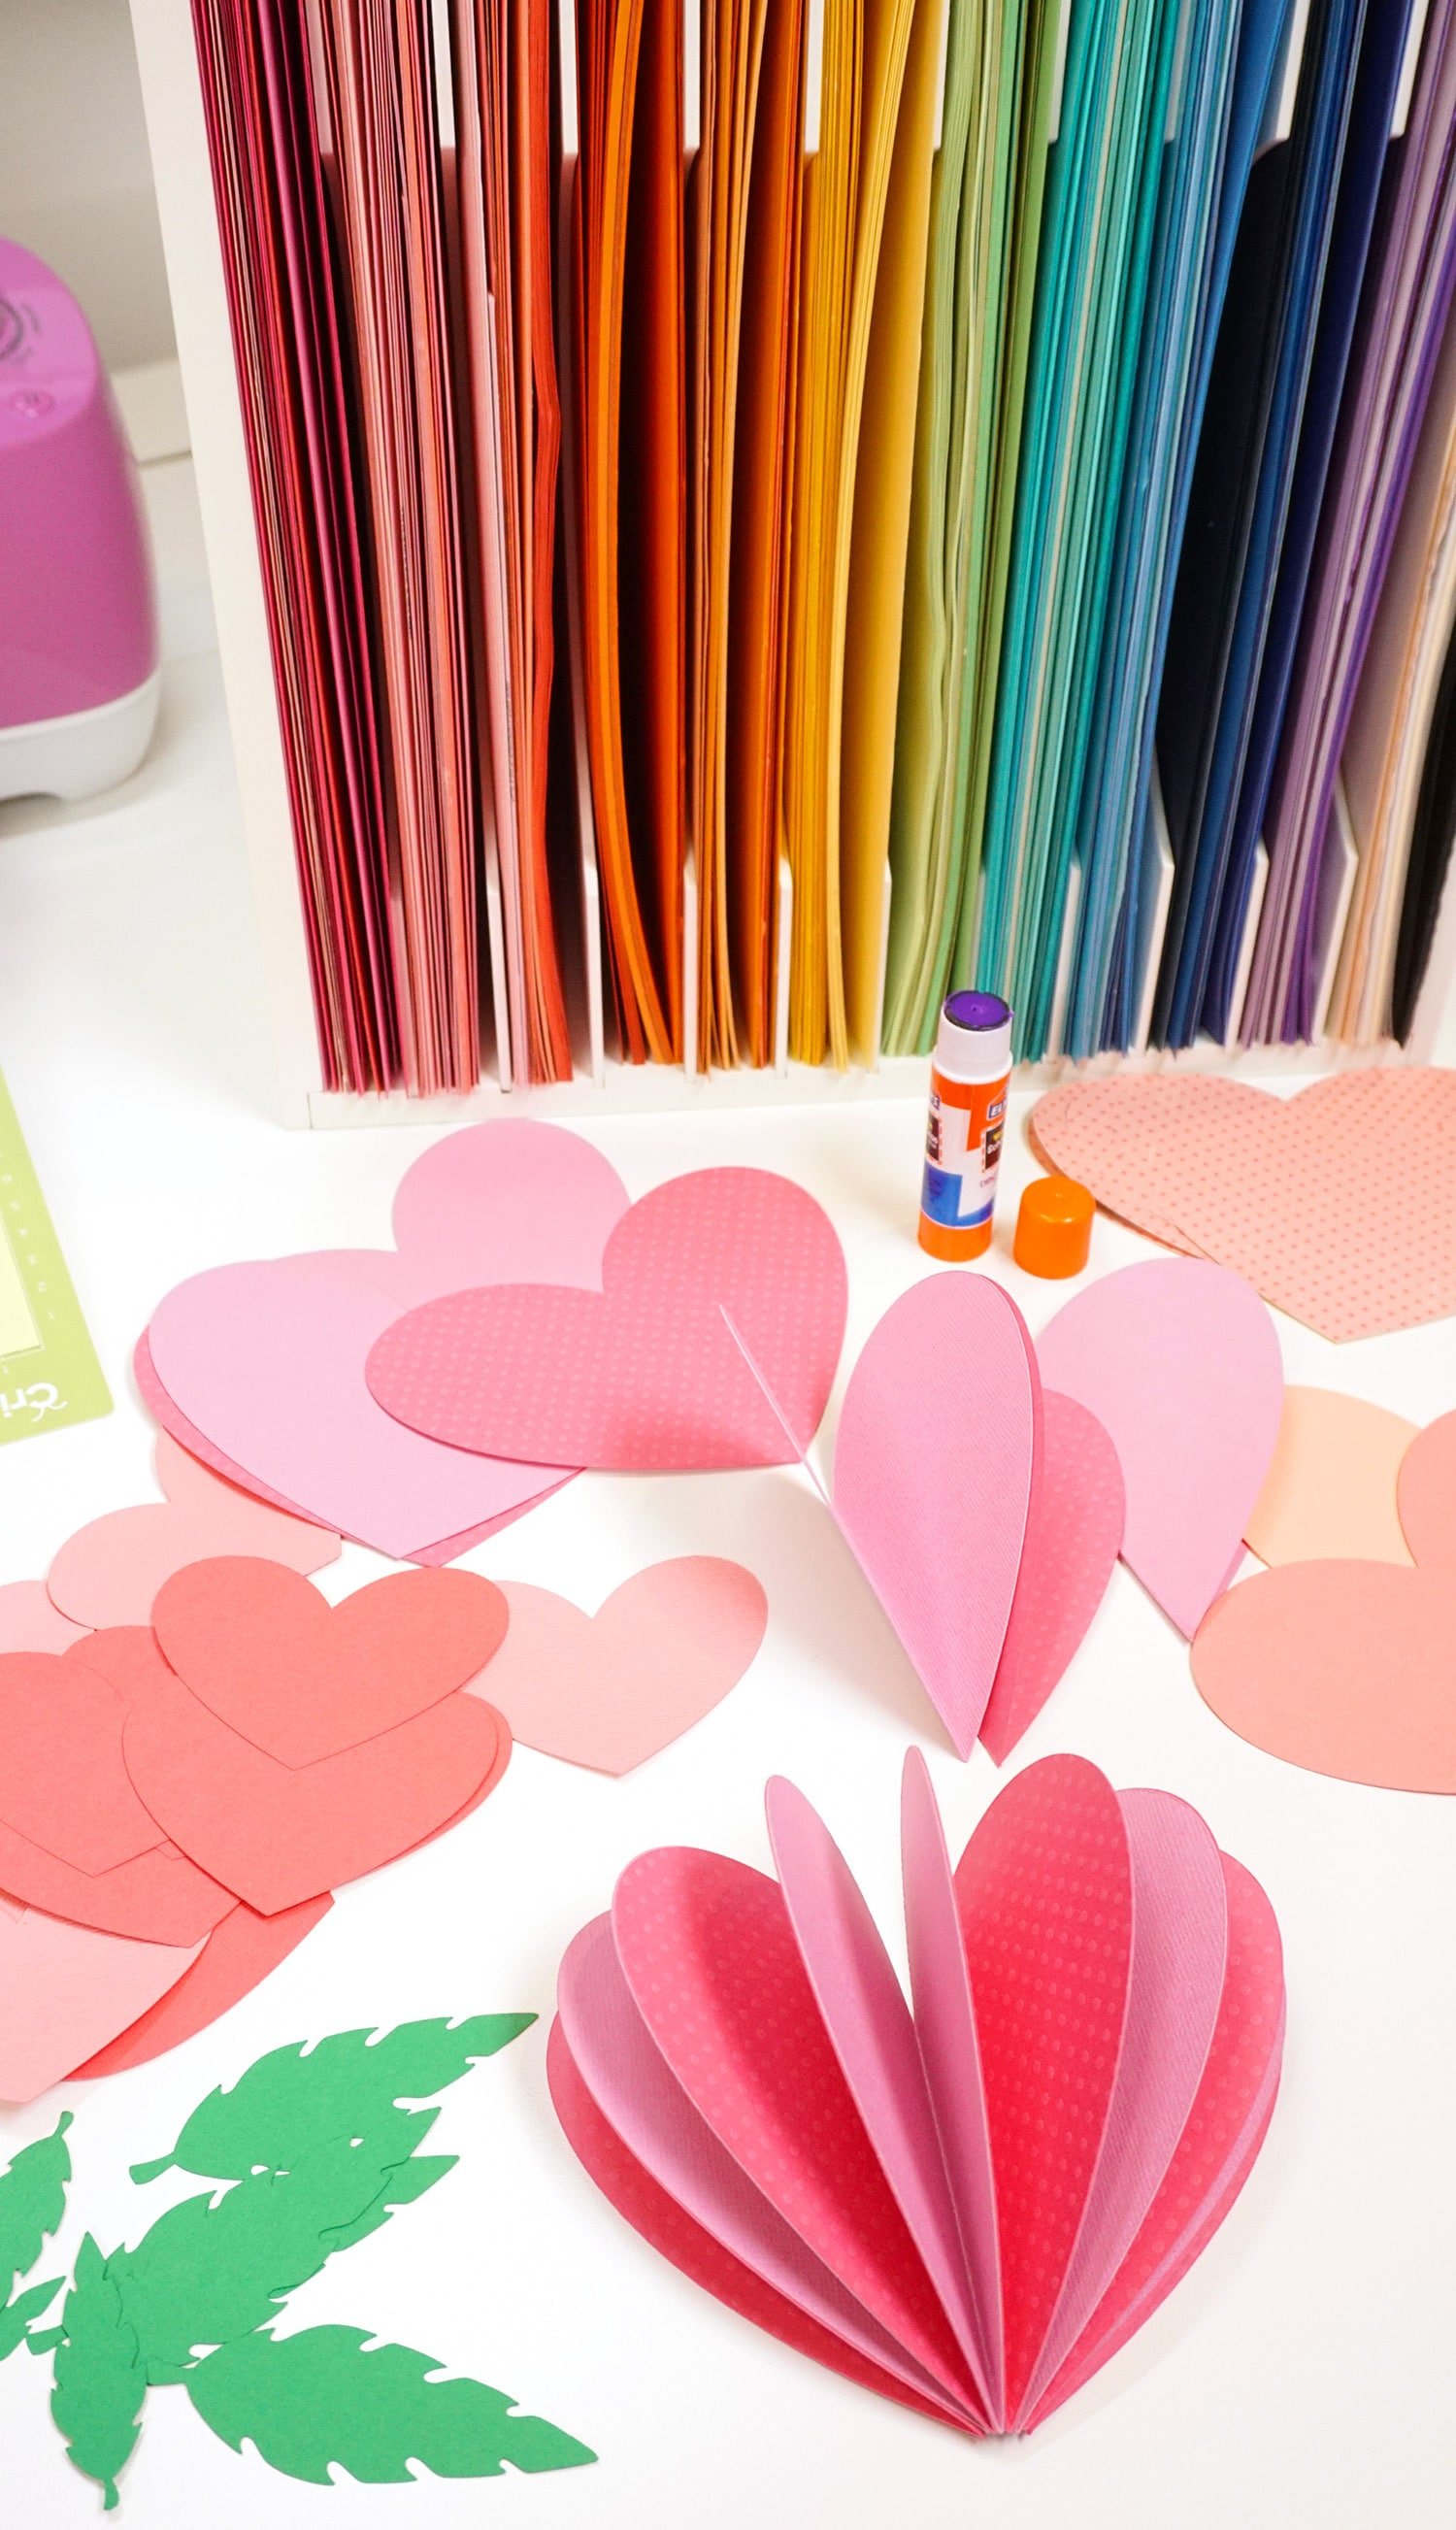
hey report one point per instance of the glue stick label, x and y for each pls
(962, 1151)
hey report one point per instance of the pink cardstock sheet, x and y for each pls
(111, 1570)
(1261, 1183)
(1180, 1363)
(267, 1359)
(643, 1371)
(610, 1690)
(966, 2201)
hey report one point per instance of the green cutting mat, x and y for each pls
(49, 1374)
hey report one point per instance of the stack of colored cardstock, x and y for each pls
(1341, 1658)
(1261, 1183)
(923, 2195)
(178, 1799)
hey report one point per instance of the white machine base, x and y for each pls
(83, 753)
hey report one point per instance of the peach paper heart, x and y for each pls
(612, 1689)
(1261, 1183)
(111, 1570)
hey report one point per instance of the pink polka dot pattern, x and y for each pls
(644, 1373)
(710, 1954)
(723, 1988)
(1073, 1533)
(1270, 1186)
(1044, 1892)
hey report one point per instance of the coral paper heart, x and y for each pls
(1261, 1183)
(267, 1359)
(303, 1680)
(243, 1948)
(66, 1991)
(65, 1793)
(1346, 1668)
(276, 1834)
(932, 1480)
(1425, 1493)
(967, 2201)
(111, 1570)
(646, 1371)
(612, 1689)
(1179, 1363)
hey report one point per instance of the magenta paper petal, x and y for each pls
(648, 1370)
(932, 1480)
(267, 1359)
(1073, 1537)
(1179, 1361)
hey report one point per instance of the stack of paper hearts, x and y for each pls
(178, 1799)
(969, 2201)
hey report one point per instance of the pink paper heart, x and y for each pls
(648, 1370)
(66, 1991)
(267, 1359)
(1425, 1493)
(31, 1621)
(1073, 1537)
(1261, 1183)
(111, 1570)
(612, 1689)
(243, 1950)
(1179, 1363)
(932, 1478)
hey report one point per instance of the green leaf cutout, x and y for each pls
(216, 2266)
(291, 2101)
(32, 2203)
(99, 2383)
(318, 2397)
(15, 2317)
(407, 2184)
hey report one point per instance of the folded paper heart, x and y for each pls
(612, 1689)
(267, 1655)
(984, 1513)
(266, 1362)
(278, 1834)
(1348, 1666)
(1260, 1183)
(75, 1839)
(643, 1371)
(1180, 1363)
(931, 2194)
(111, 1570)
(67, 1990)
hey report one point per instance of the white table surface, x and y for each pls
(1301, 2375)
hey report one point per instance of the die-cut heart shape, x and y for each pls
(1074, 1525)
(245, 1948)
(31, 1621)
(66, 1788)
(266, 1653)
(267, 1359)
(1330, 1490)
(278, 1835)
(1348, 1666)
(644, 1371)
(111, 1570)
(612, 1689)
(1261, 1183)
(66, 1991)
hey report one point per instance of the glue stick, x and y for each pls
(970, 1075)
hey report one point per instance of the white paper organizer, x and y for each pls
(173, 102)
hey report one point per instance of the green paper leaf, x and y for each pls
(288, 2102)
(99, 2383)
(15, 2317)
(305, 2402)
(407, 2184)
(32, 2203)
(216, 2266)
(44, 2341)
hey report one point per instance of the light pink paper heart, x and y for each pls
(66, 1991)
(267, 1359)
(111, 1570)
(612, 1689)
(648, 1370)
(932, 1478)
(31, 1621)
(1261, 1183)
(1073, 1538)
(1179, 1361)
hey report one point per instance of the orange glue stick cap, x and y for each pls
(1054, 1227)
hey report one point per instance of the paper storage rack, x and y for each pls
(173, 104)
